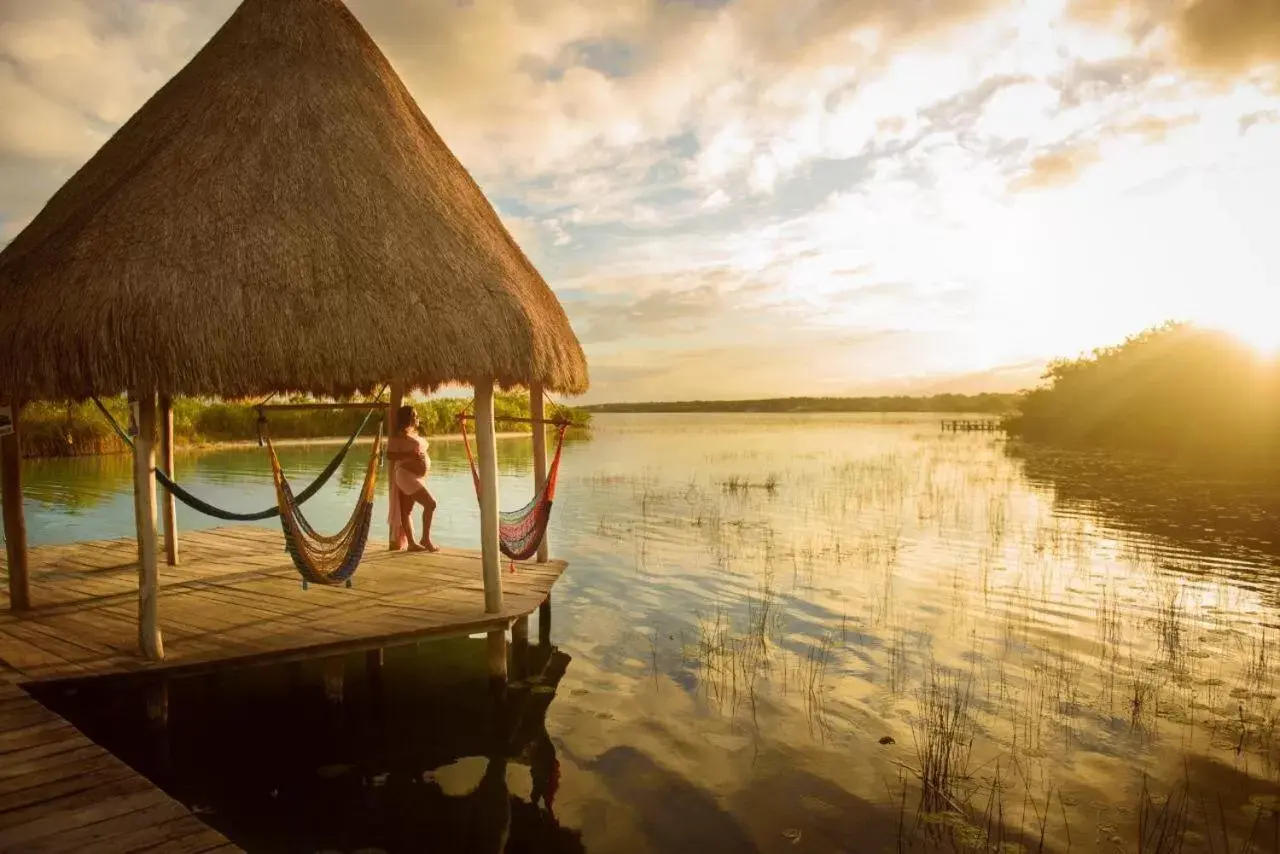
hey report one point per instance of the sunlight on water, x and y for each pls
(826, 630)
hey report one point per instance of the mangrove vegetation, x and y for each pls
(1177, 391)
(77, 428)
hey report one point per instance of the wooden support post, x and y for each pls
(487, 451)
(158, 702)
(520, 648)
(497, 655)
(536, 414)
(394, 402)
(544, 621)
(335, 679)
(15, 525)
(144, 505)
(520, 630)
(168, 509)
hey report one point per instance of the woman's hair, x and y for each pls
(404, 416)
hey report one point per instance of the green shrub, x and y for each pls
(56, 429)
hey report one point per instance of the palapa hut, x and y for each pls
(280, 216)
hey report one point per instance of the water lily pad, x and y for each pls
(887, 739)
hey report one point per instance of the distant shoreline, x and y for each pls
(938, 404)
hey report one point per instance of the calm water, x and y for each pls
(814, 633)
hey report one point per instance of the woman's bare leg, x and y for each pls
(406, 521)
(428, 503)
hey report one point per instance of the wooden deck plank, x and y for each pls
(61, 792)
(237, 597)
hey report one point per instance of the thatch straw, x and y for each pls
(279, 216)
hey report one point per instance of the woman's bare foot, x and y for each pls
(414, 547)
(427, 545)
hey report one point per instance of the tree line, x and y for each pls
(1177, 390)
(992, 404)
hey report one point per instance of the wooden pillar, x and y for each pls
(487, 451)
(15, 525)
(144, 504)
(497, 655)
(544, 622)
(394, 402)
(158, 702)
(520, 648)
(168, 509)
(335, 679)
(536, 414)
(520, 630)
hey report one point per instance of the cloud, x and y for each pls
(823, 363)
(1261, 117)
(1056, 168)
(1155, 129)
(1230, 37)
(810, 197)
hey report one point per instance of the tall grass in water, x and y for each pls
(943, 732)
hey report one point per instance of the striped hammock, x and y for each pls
(520, 532)
(325, 559)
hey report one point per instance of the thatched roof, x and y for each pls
(279, 216)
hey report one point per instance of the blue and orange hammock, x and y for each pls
(319, 559)
(520, 532)
(322, 559)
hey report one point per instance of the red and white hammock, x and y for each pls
(520, 532)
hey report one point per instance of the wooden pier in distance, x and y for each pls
(960, 425)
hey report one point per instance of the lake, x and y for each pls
(776, 633)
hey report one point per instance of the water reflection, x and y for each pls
(83, 498)
(857, 632)
(412, 750)
(1226, 524)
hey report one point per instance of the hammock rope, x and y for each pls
(322, 559)
(200, 506)
(520, 532)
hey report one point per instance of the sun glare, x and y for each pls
(1261, 332)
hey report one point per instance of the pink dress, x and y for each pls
(404, 482)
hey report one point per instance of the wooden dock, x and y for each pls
(985, 425)
(235, 599)
(60, 792)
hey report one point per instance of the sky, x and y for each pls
(751, 198)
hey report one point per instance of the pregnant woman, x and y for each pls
(407, 454)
